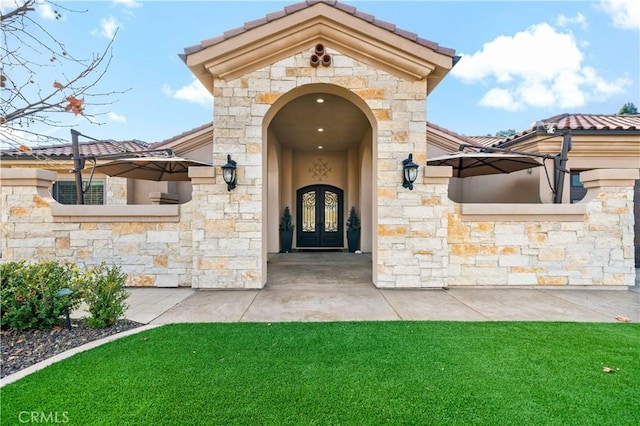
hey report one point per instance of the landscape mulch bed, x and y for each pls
(24, 348)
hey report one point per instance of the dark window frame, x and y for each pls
(577, 190)
(64, 192)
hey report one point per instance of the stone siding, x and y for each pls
(594, 249)
(151, 250)
(588, 244)
(240, 106)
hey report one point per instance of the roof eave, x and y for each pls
(241, 52)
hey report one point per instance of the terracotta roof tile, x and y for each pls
(291, 9)
(384, 24)
(181, 135)
(276, 15)
(600, 122)
(255, 23)
(211, 41)
(445, 50)
(586, 122)
(295, 8)
(233, 32)
(486, 140)
(193, 49)
(428, 43)
(407, 34)
(351, 10)
(98, 148)
(466, 139)
(364, 16)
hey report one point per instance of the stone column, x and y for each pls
(610, 220)
(26, 228)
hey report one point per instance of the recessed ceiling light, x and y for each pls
(320, 100)
(320, 129)
(320, 146)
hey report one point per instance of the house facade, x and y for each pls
(320, 105)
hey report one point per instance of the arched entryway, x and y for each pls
(320, 144)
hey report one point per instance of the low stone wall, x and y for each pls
(586, 244)
(147, 241)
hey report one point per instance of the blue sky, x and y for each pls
(521, 61)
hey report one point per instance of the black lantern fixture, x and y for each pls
(229, 173)
(410, 172)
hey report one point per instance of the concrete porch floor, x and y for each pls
(312, 286)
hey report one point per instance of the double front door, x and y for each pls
(320, 215)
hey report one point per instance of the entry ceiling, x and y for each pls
(296, 124)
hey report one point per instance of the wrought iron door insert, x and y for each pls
(320, 216)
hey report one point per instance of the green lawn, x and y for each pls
(346, 373)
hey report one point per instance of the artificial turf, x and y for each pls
(359, 373)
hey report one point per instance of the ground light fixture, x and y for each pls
(409, 172)
(66, 292)
(229, 173)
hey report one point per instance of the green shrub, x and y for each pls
(105, 295)
(28, 293)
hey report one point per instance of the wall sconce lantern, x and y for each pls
(229, 173)
(410, 172)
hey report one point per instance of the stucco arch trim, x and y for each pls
(306, 89)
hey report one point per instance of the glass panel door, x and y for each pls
(309, 211)
(330, 211)
(320, 216)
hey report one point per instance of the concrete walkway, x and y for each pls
(337, 287)
(353, 302)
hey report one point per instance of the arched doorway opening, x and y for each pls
(320, 137)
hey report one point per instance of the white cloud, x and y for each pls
(625, 13)
(108, 27)
(130, 4)
(579, 19)
(8, 5)
(117, 118)
(46, 11)
(538, 67)
(501, 99)
(194, 93)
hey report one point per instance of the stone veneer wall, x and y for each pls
(152, 244)
(234, 240)
(116, 190)
(589, 243)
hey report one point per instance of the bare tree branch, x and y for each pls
(28, 102)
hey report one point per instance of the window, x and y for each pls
(64, 192)
(577, 189)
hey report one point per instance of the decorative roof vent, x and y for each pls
(320, 56)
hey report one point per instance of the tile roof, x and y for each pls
(465, 139)
(586, 122)
(597, 122)
(181, 135)
(486, 140)
(97, 148)
(289, 10)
